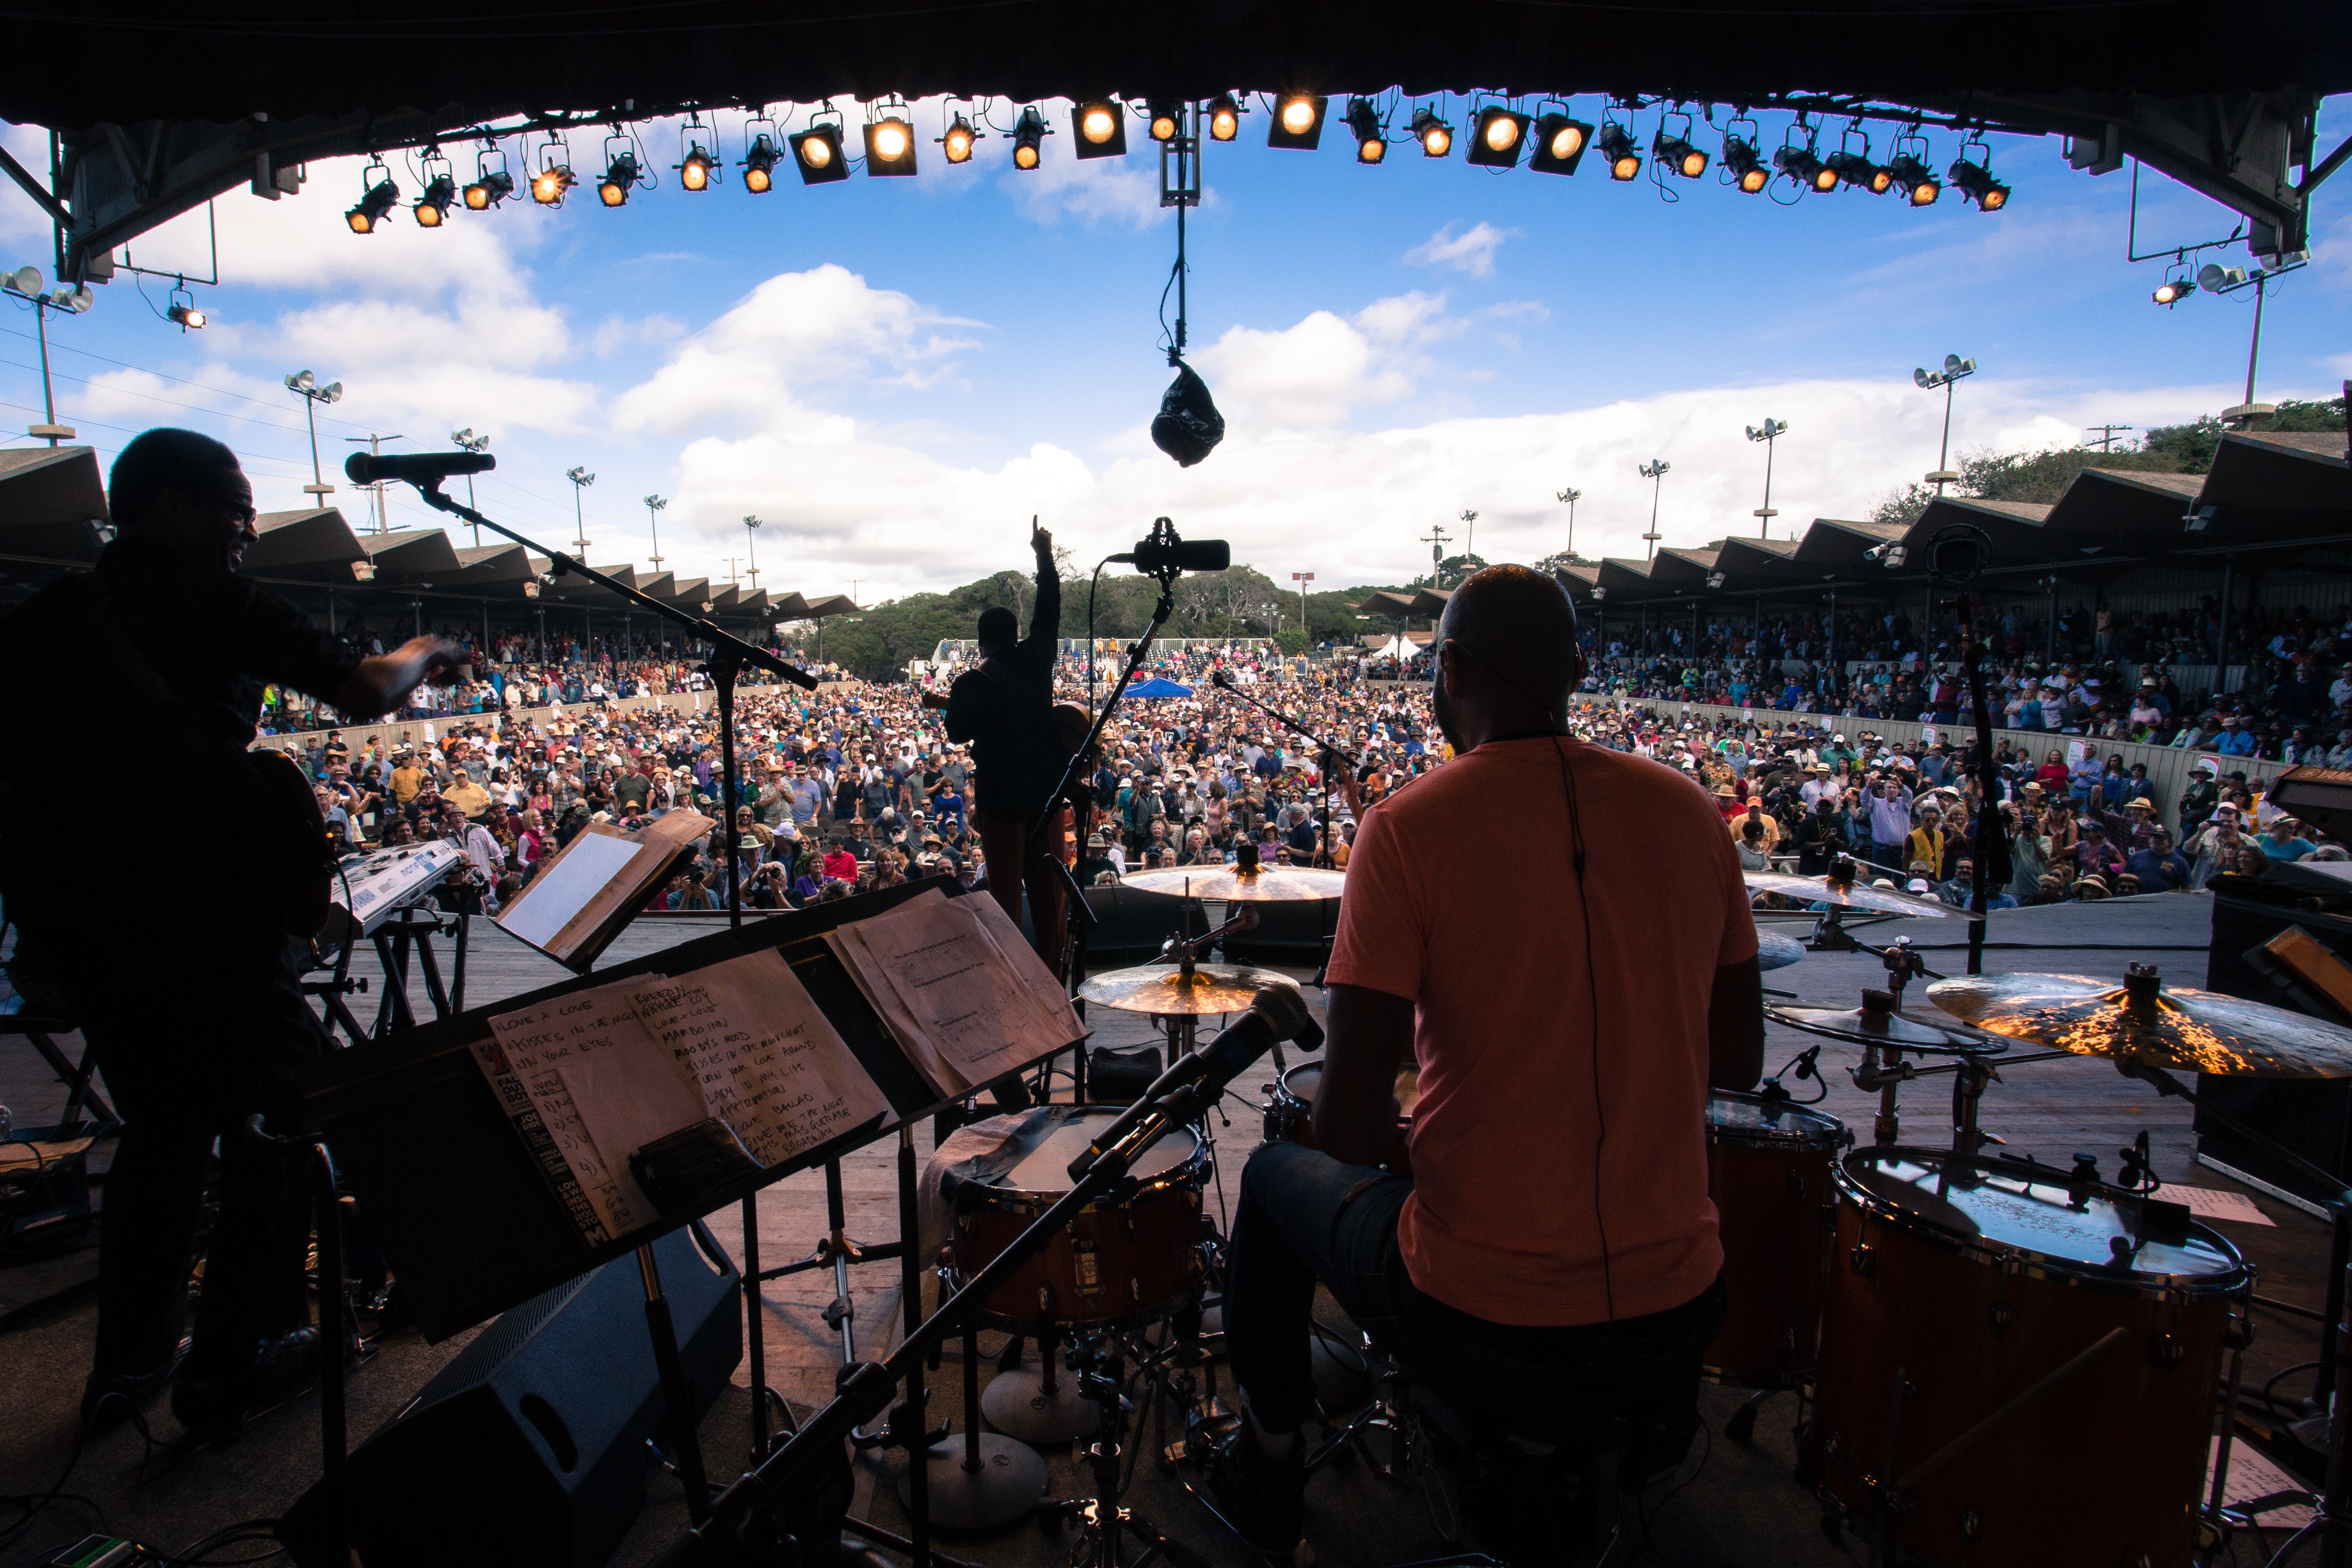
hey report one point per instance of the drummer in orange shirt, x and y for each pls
(1553, 1259)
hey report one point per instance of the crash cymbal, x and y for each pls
(1860, 895)
(1161, 988)
(1876, 1023)
(2145, 1022)
(1774, 951)
(1275, 884)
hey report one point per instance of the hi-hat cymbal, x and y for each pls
(1774, 951)
(1876, 1023)
(1858, 896)
(1275, 884)
(1161, 988)
(2145, 1022)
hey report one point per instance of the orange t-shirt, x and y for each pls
(1485, 936)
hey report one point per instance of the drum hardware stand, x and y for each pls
(1101, 1520)
(2220, 1521)
(1045, 1410)
(986, 1481)
(1388, 1415)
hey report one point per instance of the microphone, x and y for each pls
(1221, 676)
(1154, 556)
(1195, 1078)
(416, 467)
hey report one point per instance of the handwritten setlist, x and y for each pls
(942, 977)
(764, 1059)
(593, 1075)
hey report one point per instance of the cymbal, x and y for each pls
(1876, 1023)
(1860, 896)
(1774, 951)
(1161, 988)
(1275, 884)
(2145, 1022)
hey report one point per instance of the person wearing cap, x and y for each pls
(2135, 827)
(2094, 854)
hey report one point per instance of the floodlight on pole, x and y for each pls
(1302, 579)
(654, 505)
(1955, 368)
(467, 441)
(1768, 432)
(25, 283)
(1655, 471)
(2215, 278)
(1570, 496)
(580, 480)
(305, 385)
(751, 547)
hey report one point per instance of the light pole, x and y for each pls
(1955, 367)
(468, 441)
(1571, 496)
(375, 491)
(751, 553)
(654, 505)
(1655, 471)
(1302, 579)
(1768, 432)
(25, 283)
(1469, 534)
(2215, 278)
(305, 385)
(580, 480)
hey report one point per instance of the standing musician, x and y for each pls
(1004, 710)
(1551, 1262)
(191, 1003)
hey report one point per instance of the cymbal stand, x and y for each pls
(1102, 1520)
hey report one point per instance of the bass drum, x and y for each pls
(1127, 1262)
(1960, 1283)
(1770, 1169)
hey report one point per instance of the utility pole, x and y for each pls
(305, 385)
(1571, 496)
(580, 480)
(1302, 579)
(731, 559)
(1655, 471)
(2106, 435)
(375, 491)
(1771, 430)
(467, 440)
(1436, 539)
(654, 505)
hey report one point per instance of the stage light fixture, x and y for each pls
(1857, 169)
(1163, 118)
(816, 152)
(1976, 183)
(759, 165)
(183, 310)
(1029, 133)
(2174, 290)
(697, 171)
(1678, 155)
(1617, 144)
(1915, 181)
(1372, 137)
(495, 186)
(1803, 166)
(957, 144)
(433, 206)
(621, 176)
(547, 186)
(889, 145)
(1435, 136)
(1297, 122)
(1747, 171)
(1495, 138)
(375, 200)
(1560, 145)
(1098, 128)
(1225, 118)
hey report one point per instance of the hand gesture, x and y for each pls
(1041, 540)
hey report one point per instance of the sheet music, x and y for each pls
(762, 1057)
(586, 868)
(1039, 982)
(969, 1002)
(538, 1041)
(864, 968)
(517, 1103)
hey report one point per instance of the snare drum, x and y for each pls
(1769, 1169)
(1290, 1103)
(1112, 1262)
(1963, 1282)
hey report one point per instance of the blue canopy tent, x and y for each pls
(1156, 687)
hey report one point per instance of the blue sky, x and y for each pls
(896, 374)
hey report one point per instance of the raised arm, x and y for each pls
(383, 679)
(1046, 620)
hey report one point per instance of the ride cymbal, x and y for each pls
(1876, 1023)
(1858, 895)
(1275, 884)
(1161, 988)
(2145, 1022)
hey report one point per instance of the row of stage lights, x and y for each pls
(1552, 141)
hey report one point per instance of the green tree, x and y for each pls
(1292, 640)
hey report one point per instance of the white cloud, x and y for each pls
(797, 333)
(1472, 251)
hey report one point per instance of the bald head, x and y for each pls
(1513, 657)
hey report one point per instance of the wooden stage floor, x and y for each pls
(1740, 1507)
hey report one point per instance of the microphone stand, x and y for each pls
(1225, 683)
(728, 655)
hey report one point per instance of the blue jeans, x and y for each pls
(1304, 1215)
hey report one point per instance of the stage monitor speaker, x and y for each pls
(527, 1450)
(2312, 1117)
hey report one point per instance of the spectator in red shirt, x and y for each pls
(840, 865)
